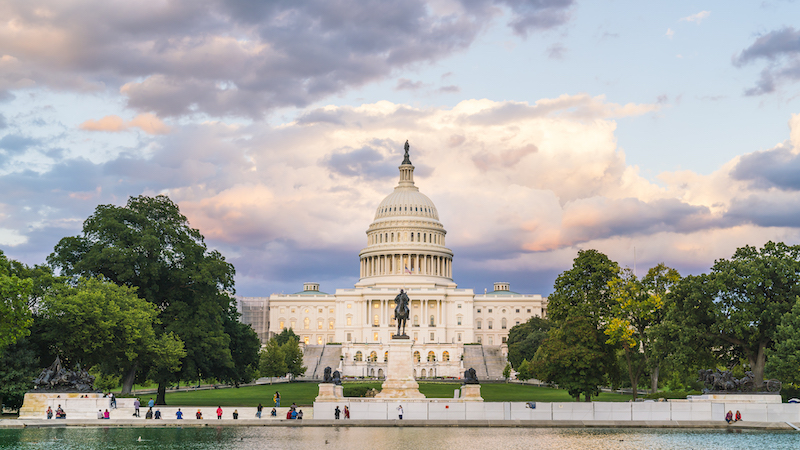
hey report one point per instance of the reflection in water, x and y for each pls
(346, 438)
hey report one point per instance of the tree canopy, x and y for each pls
(524, 339)
(15, 313)
(148, 244)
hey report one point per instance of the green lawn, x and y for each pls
(304, 393)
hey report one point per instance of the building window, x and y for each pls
(319, 310)
(375, 306)
(373, 356)
(306, 311)
(292, 309)
(330, 324)
(479, 325)
(349, 305)
(459, 306)
(489, 324)
(282, 325)
(375, 336)
(479, 339)
(330, 311)
(349, 321)
(432, 337)
(491, 340)
(479, 310)
(490, 310)
(458, 320)
(416, 321)
(306, 323)
(283, 310)
(529, 311)
(376, 320)
(385, 356)
(416, 336)
(319, 324)
(445, 356)
(517, 310)
(305, 340)
(319, 340)
(358, 356)
(517, 322)
(349, 337)
(330, 339)
(503, 323)
(459, 337)
(504, 339)
(431, 357)
(292, 324)
(433, 321)
(416, 356)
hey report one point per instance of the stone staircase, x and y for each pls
(473, 358)
(495, 361)
(330, 358)
(311, 355)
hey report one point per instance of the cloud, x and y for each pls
(451, 89)
(238, 57)
(556, 51)
(148, 123)
(14, 143)
(406, 84)
(696, 18)
(781, 51)
(670, 33)
(519, 188)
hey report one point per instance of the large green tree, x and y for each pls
(15, 313)
(148, 244)
(18, 368)
(583, 290)
(101, 324)
(740, 303)
(575, 357)
(245, 346)
(272, 360)
(783, 361)
(639, 308)
(524, 339)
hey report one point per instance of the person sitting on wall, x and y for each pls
(729, 417)
(99, 413)
(106, 415)
(289, 414)
(49, 412)
(299, 414)
(274, 412)
(149, 414)
(158, 414)
(60, 414)
(198, 414)
(738, 416)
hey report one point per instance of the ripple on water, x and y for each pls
(346, 438)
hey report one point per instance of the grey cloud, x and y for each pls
(556, 51)
(452, 89)
(3, 123)
(14, 143)
(765, 211)
(781, 50)
(366, 162)
(406, 84)
(243, 58)
(778, 168)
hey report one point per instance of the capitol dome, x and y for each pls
(406, 237)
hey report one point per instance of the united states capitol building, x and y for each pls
(452, 329)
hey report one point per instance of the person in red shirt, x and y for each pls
(219, 412)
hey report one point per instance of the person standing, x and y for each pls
(259, 408)
(113, 400)
(277, 399)
(179, 414)
(219, 412)
(336, 412)
(235, 414)
(400, 411)
(346, 412)
(151, 403)
(136, 405)
(49, 412)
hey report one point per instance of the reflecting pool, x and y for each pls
(346, 438)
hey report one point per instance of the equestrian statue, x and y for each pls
(401, 312)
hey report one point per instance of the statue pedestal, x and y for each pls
(329, 392)
(471, 393)
(400, 382)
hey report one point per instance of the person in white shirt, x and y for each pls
(400, 411)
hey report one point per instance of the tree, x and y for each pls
(507, 372)
(583, 291)
(524, 339)
(245, 346)
(98, 323)
(293, 356)
(149, 244)
(639, 306)
(286, 335)
(575, 357)
(738, 306)
(524, 370)
(783, 361)
(15, 315)
(272, 361)
(18, 367)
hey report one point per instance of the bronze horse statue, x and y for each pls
(401, 311)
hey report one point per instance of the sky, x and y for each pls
(650, 131)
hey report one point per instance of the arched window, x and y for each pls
(416, 356)
(306, 323)
(319, 324)
(423, 373)
(330, 324)
(373, 356)
(376, 320)
(412, 237)
(385, 356)
(416, 321)
(358, 356)
(490, 324)
(479, 325)
(445, 356)
(503, 323)
(431, 357)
